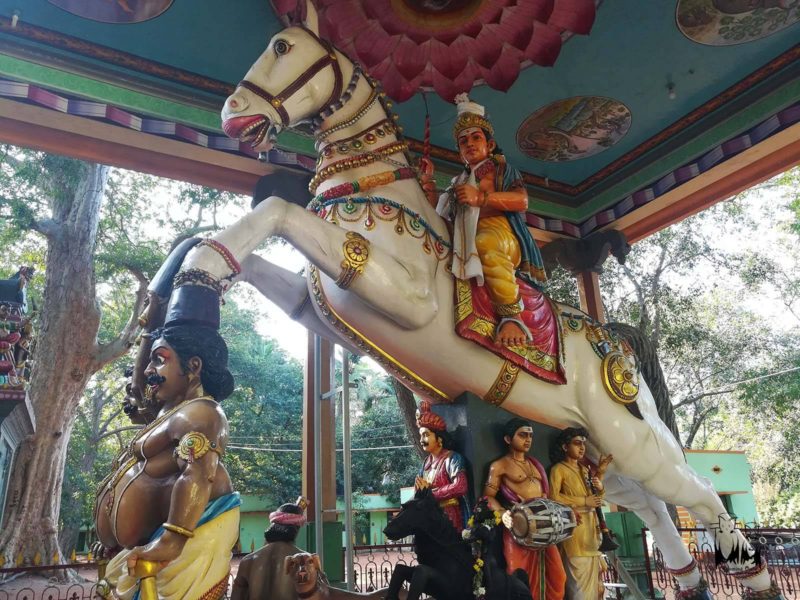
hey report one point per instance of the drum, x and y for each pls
(541, 522)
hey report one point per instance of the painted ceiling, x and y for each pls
(593, 100)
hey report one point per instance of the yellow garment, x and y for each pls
(203, 564)
(568, 486)
(498, 249)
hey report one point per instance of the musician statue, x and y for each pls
(262, 574)
(571, 483)
(517, 478)
(443, 471)
(168, 508)
(491, 241)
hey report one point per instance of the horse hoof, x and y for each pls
(771, 593)
(699, 592)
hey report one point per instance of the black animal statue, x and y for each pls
(445, 569)
(445, 559)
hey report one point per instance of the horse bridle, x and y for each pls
(335, 100)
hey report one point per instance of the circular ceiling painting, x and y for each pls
(729, 22)
(115, 11)
(573, 128)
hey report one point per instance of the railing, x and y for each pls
(373, 565)
(780, 547)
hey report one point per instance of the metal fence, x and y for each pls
(780, 547)
(373, 565)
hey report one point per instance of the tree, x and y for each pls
(58, 203)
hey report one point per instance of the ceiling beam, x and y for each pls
(771, 157)
(51, 131)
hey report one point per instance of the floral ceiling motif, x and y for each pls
(449, 45)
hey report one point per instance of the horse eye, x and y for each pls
(282, 47)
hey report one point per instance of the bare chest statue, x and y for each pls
(522, 478)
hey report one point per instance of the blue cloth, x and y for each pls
(213, 509)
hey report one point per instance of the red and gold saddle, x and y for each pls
(543, 357)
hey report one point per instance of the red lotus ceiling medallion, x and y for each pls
(449, 45)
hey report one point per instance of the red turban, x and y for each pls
(429, 419)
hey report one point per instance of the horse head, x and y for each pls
(298, 77)
(415, 516)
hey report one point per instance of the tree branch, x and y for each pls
(117, 432)
(696, 423)
(105, 353)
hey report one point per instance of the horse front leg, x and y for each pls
(401, 289)
(289, 292)
(400, 575)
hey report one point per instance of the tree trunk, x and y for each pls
(408, 408)
(64, 362)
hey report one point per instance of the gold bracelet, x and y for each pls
(356, 255)
(178, 529)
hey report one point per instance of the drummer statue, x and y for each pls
(443, 471)
(572, 484)
(518, 478)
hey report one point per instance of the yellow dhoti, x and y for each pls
(498, 249)
(200, 572)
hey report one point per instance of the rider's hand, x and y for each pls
(594, 501)
(506, 519)
(162, 551)
(421, 483)
(468, 194)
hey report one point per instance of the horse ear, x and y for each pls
(311, 19)
(315, 560)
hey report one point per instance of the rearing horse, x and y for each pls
(379, 285)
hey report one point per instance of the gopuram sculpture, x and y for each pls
(379, 284)
(263, 573)
(166, 514)
(16, 334)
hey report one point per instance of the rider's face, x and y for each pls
(429, 441)
(576, 449)
(473, 146)
(522, 440)
(165, 363)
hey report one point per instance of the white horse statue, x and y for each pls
(379, 284)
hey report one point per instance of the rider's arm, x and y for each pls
(514, 200)
(458, 478)
(492, 485)
(241, 585)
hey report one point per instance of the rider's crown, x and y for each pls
(470, 114)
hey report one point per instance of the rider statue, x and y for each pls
(514, 478)
(167, 508)
(262, 574)
(572, 484)
(443, 471)
(491, 241)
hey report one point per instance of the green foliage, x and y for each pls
(382, 459)
(265, 410)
